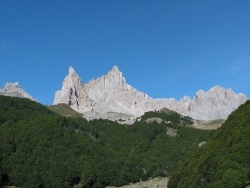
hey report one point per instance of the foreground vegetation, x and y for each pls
(39, 148)
(64, 110)
(224, 161)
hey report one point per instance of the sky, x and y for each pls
(164, 48)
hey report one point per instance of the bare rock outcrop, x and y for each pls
(217, 103)
(14, 90)
(111, 93)
(71, 89)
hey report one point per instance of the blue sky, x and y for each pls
(164, 48)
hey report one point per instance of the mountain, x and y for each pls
(14, 90)
(216, 103)
(223, 161)
(111, 94)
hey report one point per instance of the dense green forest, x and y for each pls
(167, 116)
(224, 161)
(39, 148)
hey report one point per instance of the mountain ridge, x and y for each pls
(111, 93)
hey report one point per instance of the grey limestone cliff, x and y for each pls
(111, 94)
(14, 90)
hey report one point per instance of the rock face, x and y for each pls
(14, 90)
(71, 89)
(111, 93)
(217, 103)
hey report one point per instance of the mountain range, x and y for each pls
(111, 94)
(110, 97)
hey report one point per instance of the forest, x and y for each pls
(223, 161)
(40, 148)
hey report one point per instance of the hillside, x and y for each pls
(166, 116)
(64, 110)
(223, 161)
(39, 148)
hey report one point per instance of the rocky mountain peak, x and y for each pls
(14, 90)
(12, 85)
(71, 87)
(115, 69)
(216, 103)
(217, 88)
(72, 72)
(73, 77)
(199, 94)
(114, 76)
(111, 94)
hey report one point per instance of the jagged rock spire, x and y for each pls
(111, 93)
(71, 87)
(115, 69)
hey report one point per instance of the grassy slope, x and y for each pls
(64, 110)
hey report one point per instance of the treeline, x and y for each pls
(39, 148)
(224, 161)
(167, 116)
